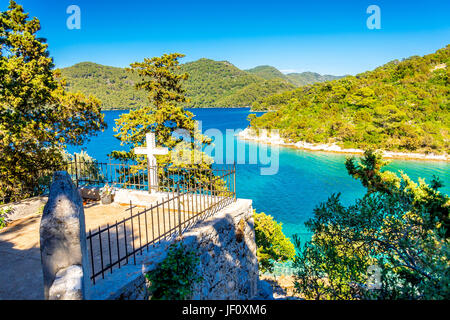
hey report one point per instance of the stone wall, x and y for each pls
(227, 250)
(225, 244)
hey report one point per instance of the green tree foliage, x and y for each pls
(174, 276)
(399, 226)
(400, 106)
(174, 127)
(3, 213)
(37, 116)
(163, 114)
(158, 79)
(273, 246)
(83, 166)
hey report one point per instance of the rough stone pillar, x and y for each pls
(64, 254)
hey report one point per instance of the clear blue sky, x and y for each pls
(325, 36)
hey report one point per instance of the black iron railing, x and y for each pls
(187, 195)
(141, 177)
(121, 175)
(186, 201)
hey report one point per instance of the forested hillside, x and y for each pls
(297, 79)
(210, 84)
(268, 73)
(400, 106)
(221, 84)
(113, 86)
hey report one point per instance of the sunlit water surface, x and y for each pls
(304, 179)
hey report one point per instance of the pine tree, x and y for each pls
(37, 116)
(174, 127)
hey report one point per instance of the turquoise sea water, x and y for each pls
(304, 178)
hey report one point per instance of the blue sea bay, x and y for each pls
(304, 178)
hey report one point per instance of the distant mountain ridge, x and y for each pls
(221, 84)
(304, 78)
(211, 84)
(268, 73)
(295, 78)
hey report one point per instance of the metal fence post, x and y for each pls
(179, 207)
(76, 169)
(234, 177)
(208, 198)
(109, 171)
(149, 179)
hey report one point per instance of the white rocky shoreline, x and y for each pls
(249, 134)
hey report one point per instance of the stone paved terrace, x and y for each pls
(20, 257)
(20, 261)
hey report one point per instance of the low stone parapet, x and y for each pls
(225, 245)
(24, 208)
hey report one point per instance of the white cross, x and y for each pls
(151, 150)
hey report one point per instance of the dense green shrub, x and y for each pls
(3, 213)
(174, 276)
(399, 227)
(86, 167)
(272, 244)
